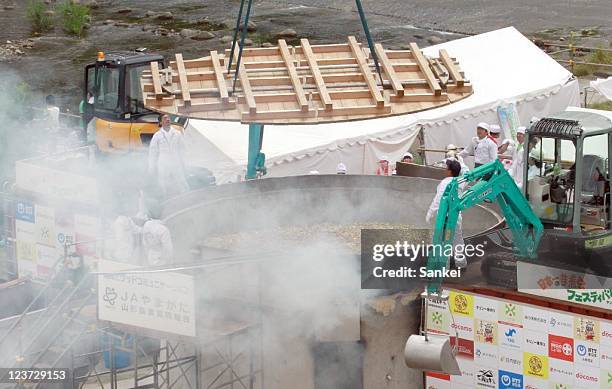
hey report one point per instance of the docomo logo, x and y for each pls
(606, 334)
(461, 327)
(587, 377)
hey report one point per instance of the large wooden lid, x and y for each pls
(305, 84)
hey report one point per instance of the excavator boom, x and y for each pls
(490, 182)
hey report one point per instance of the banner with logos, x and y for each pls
(509, 345)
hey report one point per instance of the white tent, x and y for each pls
(503, 66)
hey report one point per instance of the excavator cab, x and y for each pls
(113, 102)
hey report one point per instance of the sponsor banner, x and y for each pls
(464, 327)
(159, 301)
(438, 320)
(587, 377)
(605, 378)
(25, 231)
(606, 334)
(467, 377)
(465, 348)
(535, 383)
(510, 313)
(440, 376)
(510, 336)
(586, 328)
(561, 324)
(535, 365)
(535, 342)
(605, 359)
(586, 353)
(436, 383)
(486, 377)
(561, 347)
(45, 226)
(511, 361)
(536, 319)
(560, 371)
(485, 308)
(462, 304)
(485, 331)
(24, 211)
(486, 355)
(47, 257)
(510, 380)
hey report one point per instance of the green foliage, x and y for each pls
(74, 17)
(581, 70)
(600, 56)
(37, 15)
(605, 105)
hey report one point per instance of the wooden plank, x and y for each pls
(389, 69)
(295, 114)
(316, 73)
(418, 97)
(220, 77)
(156, 83)
(245, 83)
(289, 96)
(206, 107)
(399, 54)
(163, 102)
(365, 71)
(297, 84)
(183, 83)
(452, 69)
(424, 65)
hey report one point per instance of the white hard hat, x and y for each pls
(451, 146)
(483, 125)
(408, 154)
(341, 168)
(384, 158)
(495, 129)
(521, 130)
(451, 154)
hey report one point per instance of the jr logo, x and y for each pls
(510, 332)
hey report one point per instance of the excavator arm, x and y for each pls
(490, 182)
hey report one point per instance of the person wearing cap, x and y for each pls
(408, 157)
(383, 168)
(453, 169)
(516, 169)
(494, 132)
(482, 148)
(341, 168)
(535, 164)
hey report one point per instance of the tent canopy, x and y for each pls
(503, 67)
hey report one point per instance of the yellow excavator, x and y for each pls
(113, 101)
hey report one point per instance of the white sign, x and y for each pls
(161, 301)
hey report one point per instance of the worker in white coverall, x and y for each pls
(482, 147)
(126, 235)
(453, 169)
(156, 239)
(518, 157)
(166, 159)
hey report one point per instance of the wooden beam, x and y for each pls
(399, 54)
(156, 83)
(418, 97)
(296, 114)
(316, 73)
(183, 83)
(297, 84)
(389, 69)
(365, 71)
(424, 65)
(452, 69)
(205, 107)
(290, 96)
(246, 88)
(220, 77)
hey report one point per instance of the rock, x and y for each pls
(418, 36)
(50, 13)
(165, 16)
(9, 42)
(248, 42)
(150, 14)
(93, 4)
(86, 26)
(203, 36)
(19, 52)
(226, 39)
(405, 46)
(188, 32)
(124, 10)
(250, 27)
(287, 33)
(267, 44)
(562, 39)
(434, 40)
(122, 24)
(108, 22)
(9, 7)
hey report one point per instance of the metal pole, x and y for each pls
(229, 66)
(366, 29)
(242, 38)
(135, 361)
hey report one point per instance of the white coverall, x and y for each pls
(126, 234)
(166, 153)
(518, 163)
(484, 150)
(157, 243)
(432, 213)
